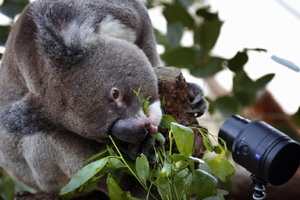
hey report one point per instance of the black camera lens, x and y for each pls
(261, 149)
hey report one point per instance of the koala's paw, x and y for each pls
(197, 101)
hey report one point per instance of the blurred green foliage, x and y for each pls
(182, 16)
(206, 27)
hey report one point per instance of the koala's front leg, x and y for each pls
(197, 99)
(54, 157)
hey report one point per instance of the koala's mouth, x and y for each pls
(128, 130)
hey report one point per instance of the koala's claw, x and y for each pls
(198, 102)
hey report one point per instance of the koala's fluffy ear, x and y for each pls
(61, 32)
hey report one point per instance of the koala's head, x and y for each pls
(90, 76)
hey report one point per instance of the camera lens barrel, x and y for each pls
(261, 149)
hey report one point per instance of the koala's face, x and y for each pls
(95, 98)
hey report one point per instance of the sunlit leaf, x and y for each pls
(223, 169)
(184, 138)
(158, 137)
(208, 145)
(83, 175)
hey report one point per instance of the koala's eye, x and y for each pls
(115, 93)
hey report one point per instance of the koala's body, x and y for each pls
(66, 83)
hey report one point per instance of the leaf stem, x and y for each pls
(129, 168)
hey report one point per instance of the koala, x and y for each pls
(66, 82)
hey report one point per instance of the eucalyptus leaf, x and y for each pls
(174, 35)
(114, 190)
(164, 188)
(208, 32)
(142, 168)
(184, 138)
(83, 175)
(145, 105)
(203, 184)
(180, 57)
(219, 196)
(238, 61)
(206, 67)
(4, 32)
(223, 169)
(178, 13)
(207, 143)
(158, 137)
(11, 8)
(227, 105)
(166, 121)
(296, 117)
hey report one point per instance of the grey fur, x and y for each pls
(57, 77)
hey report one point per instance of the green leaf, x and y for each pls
(4, 32)
(158, 137)
(227, 105)
(206, 35)
(184, 138)
(83, 175)
(203, 184)
(101, 154)
(177, 13)
(174, 35)
(237, 63)
(180, 157)
(186, 3)
(296, 117)
(142, 168)
(12, 7)
(180, 57)
(180, 182)
(219, 196)
(137, 93)
(262, 82)
(145, 105)
(164, 188)
(114, 190)
(223, 169)
(114, 164)
(207, 143)
(166, 121)
(7, 186)
(90, 186)
(207, 67)
(217, 150)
